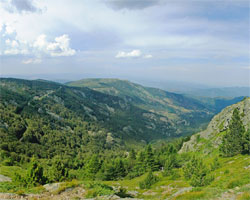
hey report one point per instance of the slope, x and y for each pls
(49, 119)
(185, 113)
(210, 139)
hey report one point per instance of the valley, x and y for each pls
(111, 139)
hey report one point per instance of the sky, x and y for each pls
(198, 41)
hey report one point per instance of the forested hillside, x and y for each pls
(46, 119)
(184, 113)
(215, 167)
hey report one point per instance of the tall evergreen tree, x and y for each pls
(246, 143)
(35, 174)
(92, 167)
(232, 142)
(149, 158)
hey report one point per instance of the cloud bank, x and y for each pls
(12, 45)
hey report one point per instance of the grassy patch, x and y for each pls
(98, 189)
(244, 196)
(195, 195)
(66, 185)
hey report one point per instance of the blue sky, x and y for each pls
(201, 41)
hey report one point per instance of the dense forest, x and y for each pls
(56, 133)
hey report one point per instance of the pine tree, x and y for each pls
(149, 158)
(59, 170)
(132, 155)
(197, 173)
(92, 167)
(215, 165)
(35, 174)
(148, 181)
(232, 142)
(246, 143)
(119, 169)
(170, 163)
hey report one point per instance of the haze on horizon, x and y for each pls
(200, 41)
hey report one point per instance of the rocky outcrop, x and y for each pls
(218, 124)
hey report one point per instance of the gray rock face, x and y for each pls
(4, 178)
(52, 187)
(218, 124)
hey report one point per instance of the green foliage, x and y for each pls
(92, 167)
(197, 173)
(233, 141)
(170, 163)
(34, 175)
(98, 189)
(148, 181)
(58, 170)
(215, 164)
(122, 192)
(246, 143)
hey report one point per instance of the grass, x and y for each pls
(195, 195)
(66, 185)
(244, 196)
(231, 175)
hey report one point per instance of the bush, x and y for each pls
(122, 192)
(215, 165)
(233, 184)
(35, 175)
(98, 189)
(197, 172)
(148, 181)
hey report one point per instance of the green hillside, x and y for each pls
(210, 139)
(46, 116)
(185, 113)
(191, 168)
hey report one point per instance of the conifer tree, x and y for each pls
(170, 163)
(92, 167)
(197, 172)
(148, 181)
(35, 174)
(232, 142)
(246, 143)
(149, 158)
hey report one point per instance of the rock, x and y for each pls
(5, 178)
(218, 124)
(149, 193)
(133, 193)
(51, 187)
(247, 167)
(182, 190)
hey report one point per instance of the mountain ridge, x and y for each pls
(216, 128)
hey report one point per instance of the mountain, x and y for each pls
(65, 142)
(220, 92)
(185, 112)
(46, 114)
(209, 139)
(110, 113)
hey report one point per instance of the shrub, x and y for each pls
(197, 172)
(148, 181)
(98, 189)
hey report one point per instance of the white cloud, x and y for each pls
(32, 61)
(58, 48)
(40, 42)
(12, 45)
(133, 54)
